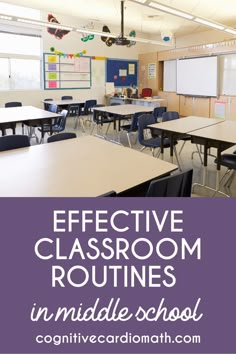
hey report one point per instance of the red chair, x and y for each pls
(146, 92)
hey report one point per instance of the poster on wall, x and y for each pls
(97, 275)
(152, 70)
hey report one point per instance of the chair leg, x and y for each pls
(108, 126)
(142, 148)
(128, 137)
(230, 179)
(199, 153)
(182, 147)
(176, 156)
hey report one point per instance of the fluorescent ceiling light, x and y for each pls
(98, 33)
(44, 24)
(208, 23)
(229, 30)
(170, 10)
(5, 17)
(140, 1)
(79, 29)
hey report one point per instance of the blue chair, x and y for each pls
(61, 136)
(158, 112)
(86, 111)
(132, 127)
(144, 121)
(66, 97)
(45, 104)
(59, 126)
(171, 115)
(229, 161)
(176, 185)
(9, 142)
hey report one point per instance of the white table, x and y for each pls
(220, 136)
(178, 128)
(123, 111)
(82, 167)
(26, 114)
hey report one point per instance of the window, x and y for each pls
(20, 52)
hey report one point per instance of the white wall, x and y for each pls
(71, 43)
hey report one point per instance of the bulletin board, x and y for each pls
(122, 72)
(66, 73)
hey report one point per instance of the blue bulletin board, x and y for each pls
(122, 72)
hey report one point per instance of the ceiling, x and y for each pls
(139, 17)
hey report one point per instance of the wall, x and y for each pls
(71, 43)
(197, 106)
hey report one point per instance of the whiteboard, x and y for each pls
(228, 74)
(198, 76)
(169, 81)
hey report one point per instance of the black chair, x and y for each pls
(144, 121)
(9, 142)
(132, 127)
(61, 136)
(11, 126)
(176, 185)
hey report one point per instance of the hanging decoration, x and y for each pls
(132, 34)
(71, 55)
(166, 36)
(109, 41)
(58, 33)
(87, 36)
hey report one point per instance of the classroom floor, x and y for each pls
(185, 158)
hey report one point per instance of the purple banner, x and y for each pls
(117, 275)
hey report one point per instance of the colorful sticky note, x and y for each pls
(52, 76)
(52, 84)
(52, 59)
(52, 67)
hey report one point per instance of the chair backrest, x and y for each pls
(146, 92)
(134, 121)
(9, 142)
(97, 115)
(62, 120)
(158, 112)
(88, 105)
(128, 92)
(169, 116)
(143, 121)
(177, 185)
(52, 108)
(61, 136)
(46, 105)
(13, 104)
(66, 98)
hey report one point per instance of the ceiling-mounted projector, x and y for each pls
(121, 40)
